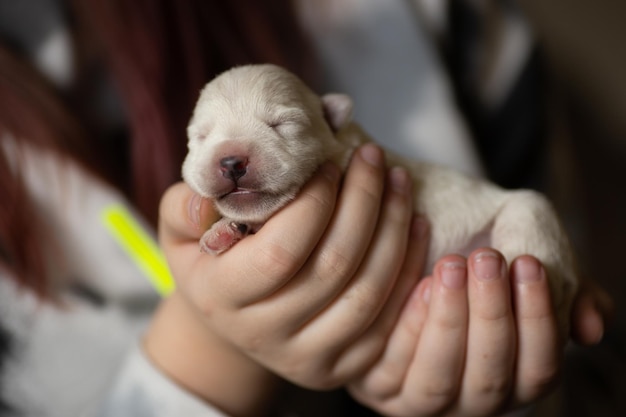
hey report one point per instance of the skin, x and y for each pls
(338, 300)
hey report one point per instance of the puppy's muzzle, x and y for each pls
(234, 167)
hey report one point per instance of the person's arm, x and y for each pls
(179, 344)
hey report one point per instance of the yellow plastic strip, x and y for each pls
(139, 246)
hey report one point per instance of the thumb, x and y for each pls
(184, 216)
(592, 311)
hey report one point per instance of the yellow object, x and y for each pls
(139, 246)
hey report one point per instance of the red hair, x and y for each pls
(30, 110)
(159, 53)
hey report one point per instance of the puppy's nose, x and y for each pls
(234, 167)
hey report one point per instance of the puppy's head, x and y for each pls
(257, 135)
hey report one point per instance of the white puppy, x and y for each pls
(258, 133)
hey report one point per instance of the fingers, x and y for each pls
(371, 304)
(184, 215)
(344, 243)
(592, 308)
(383, 383)
(473, 341)
(438, 363)
(353, 325)
(491, 343)
(401, 319)
(364, 296)
(539, 344)
(348, 237)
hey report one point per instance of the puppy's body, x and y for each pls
(258, 134)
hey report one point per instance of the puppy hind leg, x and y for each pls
(527, 224)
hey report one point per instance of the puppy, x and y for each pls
(258, 133)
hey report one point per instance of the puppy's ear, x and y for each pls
(337, 110)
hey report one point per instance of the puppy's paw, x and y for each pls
(222, 235)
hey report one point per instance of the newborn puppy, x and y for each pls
(258, 133)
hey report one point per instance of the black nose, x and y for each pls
(234, 167)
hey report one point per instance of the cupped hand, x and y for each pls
(314, 294)
(327, 294)
(476, 339)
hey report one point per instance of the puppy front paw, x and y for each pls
(222, 235)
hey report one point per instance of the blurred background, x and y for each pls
(583, 42)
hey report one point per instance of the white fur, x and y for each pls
(285, 131)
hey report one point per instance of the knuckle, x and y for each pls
(274, 262)
(495, 316)
(334, 264)
(497, 387)
(399, 205)
(443, 391)
(447, 322)
(368, 190)
(323, 201)
(538, 381)
(398, 216)
(252, 342)
(311, 374)
(537, 321)
(437, 396)
(386, 385)
(365, 299)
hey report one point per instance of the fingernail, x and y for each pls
(488, 265)
(453, 275)
(527, 269)
(419, 227)
(372, 154)
(194, 207)
(331, 171)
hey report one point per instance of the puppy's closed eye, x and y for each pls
(288, 117)
(274, 123)
(199, 133)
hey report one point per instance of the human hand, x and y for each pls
(273, 299)
(314, 294)
(592, 309)
(476, 339)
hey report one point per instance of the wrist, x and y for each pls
(186, 350)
